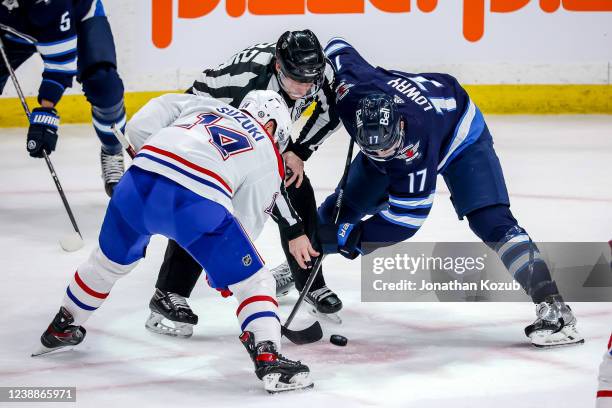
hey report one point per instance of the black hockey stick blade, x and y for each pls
(311, 334)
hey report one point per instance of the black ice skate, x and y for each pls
(555, 325)
(60, 333)
(174, 308)
(284, 279)
(277, 372)
(112, 170)
(324, 303)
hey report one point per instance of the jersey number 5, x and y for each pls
(65, 22)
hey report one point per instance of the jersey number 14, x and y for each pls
(228, 142)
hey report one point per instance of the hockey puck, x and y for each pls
(338, 340)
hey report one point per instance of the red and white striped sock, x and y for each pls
(258, 309)
(91, 284)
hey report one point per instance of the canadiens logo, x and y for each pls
(343, 89)
(411, 152)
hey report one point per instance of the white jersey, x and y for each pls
(216, 151)
(604, 392)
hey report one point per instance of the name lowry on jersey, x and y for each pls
(408, 89)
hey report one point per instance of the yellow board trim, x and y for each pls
(492, 99)
(542, 99)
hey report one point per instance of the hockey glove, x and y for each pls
(345, 237)
(42, 134)
(349, 237)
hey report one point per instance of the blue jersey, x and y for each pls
(440, 119)
(52, 27)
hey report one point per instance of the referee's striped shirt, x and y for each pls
(254, 68)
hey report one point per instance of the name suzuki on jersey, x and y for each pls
(244, 120)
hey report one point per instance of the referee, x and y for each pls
(296, 68)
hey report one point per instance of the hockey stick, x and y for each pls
(314, 332)
(73, 241)
(125, 143)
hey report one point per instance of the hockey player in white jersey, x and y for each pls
(604, 392)
(206, 175)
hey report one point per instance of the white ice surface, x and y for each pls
(399, 354)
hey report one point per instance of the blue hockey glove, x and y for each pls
(349, 237)
(344, 238)
(42, 134)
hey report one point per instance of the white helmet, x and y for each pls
(269, 105)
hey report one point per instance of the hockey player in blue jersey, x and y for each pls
(410, 128)
(73, 37)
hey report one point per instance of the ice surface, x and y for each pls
(413, 354)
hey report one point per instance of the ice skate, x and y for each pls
(60, 334)
(170, 315)
(324, 303)
(278, 373)
(112, 170)
(284, 279)
(555, 325)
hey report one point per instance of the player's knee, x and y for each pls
(492, 223)
(102, 85)
(325, 210)
(260, 283)
(348, 212)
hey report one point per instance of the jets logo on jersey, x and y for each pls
(10, 4)
(411, 152)
(342, 90)
(397, 99)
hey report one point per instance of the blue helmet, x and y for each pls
(380, 130)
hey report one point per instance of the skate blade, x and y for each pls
(155, 323)
(300, 381)
(329, 317)
(567, 336)
(43, 351)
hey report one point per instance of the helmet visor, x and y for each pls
(298, 89)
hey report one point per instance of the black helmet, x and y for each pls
(378, 127)
(301, 57)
